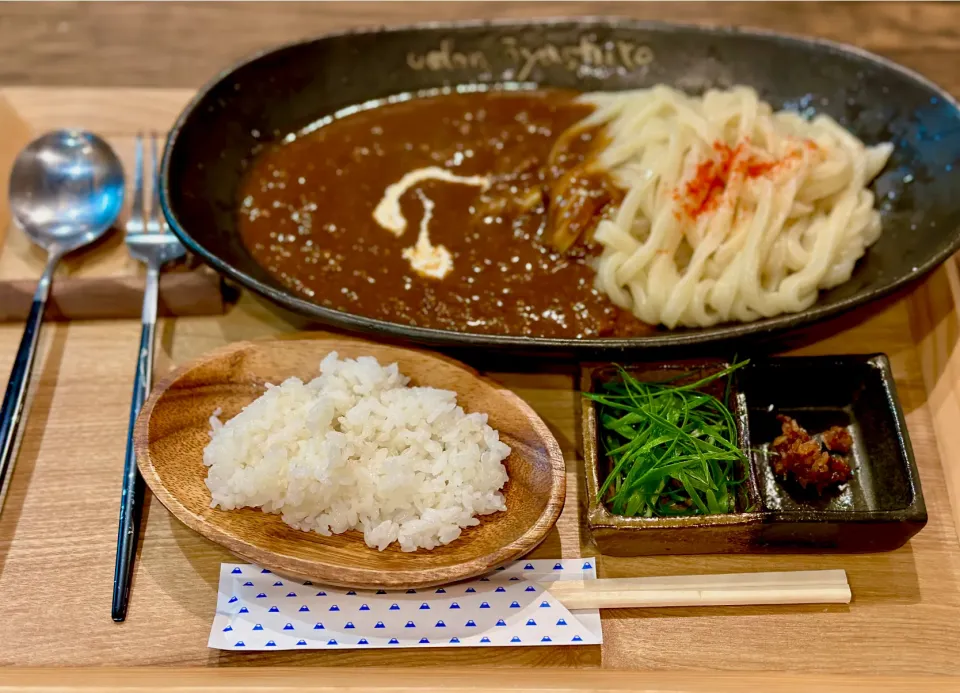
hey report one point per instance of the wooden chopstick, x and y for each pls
(738, 589)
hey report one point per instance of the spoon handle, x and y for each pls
(11, 413)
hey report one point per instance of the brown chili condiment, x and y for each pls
(799, 455)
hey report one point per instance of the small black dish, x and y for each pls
(618, 535)
(882, 504)
(879, 509)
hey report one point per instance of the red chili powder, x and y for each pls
(702, 193)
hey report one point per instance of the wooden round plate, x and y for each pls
(173, 429)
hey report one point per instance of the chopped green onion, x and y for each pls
(673, 449)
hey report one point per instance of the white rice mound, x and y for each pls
(356, 448)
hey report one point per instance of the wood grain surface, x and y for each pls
(58, 528)
(174, 428)
(449, 680)
(102, 281)
(58, 533)
(183, 44)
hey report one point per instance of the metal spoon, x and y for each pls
(66, 190)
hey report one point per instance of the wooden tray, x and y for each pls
(102, 281)
(58, 527)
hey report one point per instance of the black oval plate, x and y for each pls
(281, 91)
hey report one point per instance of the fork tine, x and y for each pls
(155, 216)
(136, 207)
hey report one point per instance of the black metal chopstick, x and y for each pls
(150, 241)
(131, 498)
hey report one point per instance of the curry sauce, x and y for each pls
(307, 215)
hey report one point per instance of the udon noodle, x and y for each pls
(732, 211)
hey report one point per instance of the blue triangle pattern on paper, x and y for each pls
(381, 591)
(228, 629)
(364, 607)
(334, 608)
(248, 584)
(577, 638)
(278, 584)
(243, 610)
(304, 608)
(484, 605)
(501, 568)
(262, 595)
(411, 591)
(588, 566)
(394, 607)
(289, 626)
(455, 640)
(514, 605)
(531, 622)
(514, 639)
(501, 588)
(362, 641)
(264, 571)
(558, 566)
(236, 571)
(239, 643)
(528, 566)
(424, 641)
(307, 583)
(484, 639)
(331, 641)
(546, 638)
(274, 610)
(454, 605)
(319, 626)
(471, 624)
(379, 625)
(561, 622)
(440, 624)
(232, 600)
(530, 588)
(514, 578)
(393, 641)
(424, 606)
(440, 591)
(544, 605)
(501, 622)
(351, 593)
(470, 589)
(301, 642)
(484, 579)
(410, 624)
(291, 594)
(321, 594)
(349, 624)
(258, 627)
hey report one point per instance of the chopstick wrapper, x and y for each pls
(257, 610)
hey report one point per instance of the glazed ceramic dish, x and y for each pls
(282, 91)
(879, 509)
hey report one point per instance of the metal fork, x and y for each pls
(150, 241)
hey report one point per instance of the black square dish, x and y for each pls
(879, 508)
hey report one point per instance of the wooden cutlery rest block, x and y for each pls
(103, 281)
